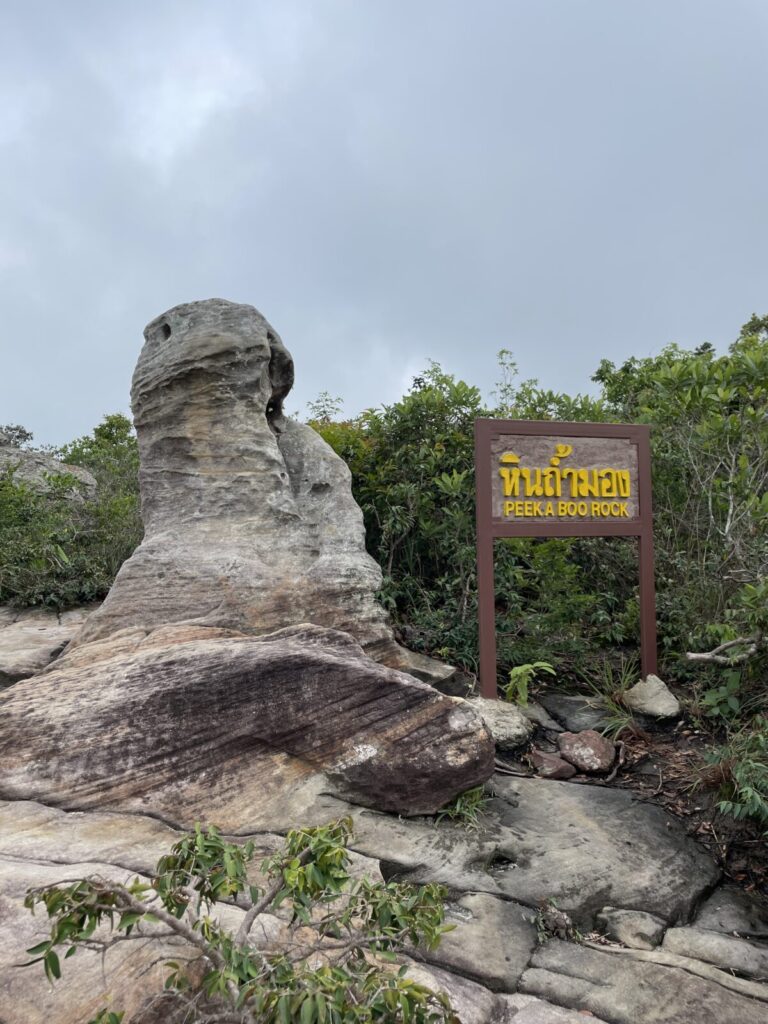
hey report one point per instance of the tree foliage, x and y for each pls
(64, 546)
(337, 963)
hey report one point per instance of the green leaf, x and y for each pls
(52, 966)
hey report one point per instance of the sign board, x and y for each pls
(543, 479)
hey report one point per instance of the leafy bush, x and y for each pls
(346, 974)
(740, 766)
(64, 547)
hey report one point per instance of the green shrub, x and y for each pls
(64, 547)
(360, 927)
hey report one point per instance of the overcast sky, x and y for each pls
(388, 181)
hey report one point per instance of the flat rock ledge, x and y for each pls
(492, 965)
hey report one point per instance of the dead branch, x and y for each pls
(717, 657)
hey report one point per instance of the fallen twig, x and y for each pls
(620, 761)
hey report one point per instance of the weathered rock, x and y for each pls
(550, 766)
(730, 909)
(32, 638)
(626, 990)
(42, 846)
(726, 951)
(633, 928)
(537, 714)
(125, 977)
(523, 1009)
(588, 751)
(249, 518)
(576, 713)
(583, 846)
(447, 679)
(473, 1003)
(652, 697)
(33, 469)
(508, 725)
(491, 944)
(190, 724)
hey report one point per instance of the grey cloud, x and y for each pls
(387, 181)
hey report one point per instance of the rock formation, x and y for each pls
(249, 518)
(33, 468)
(214, 682)
(198, 724)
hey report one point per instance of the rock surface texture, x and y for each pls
(32, 638)
(538, 837)
(33, 468)
(509, 727)
(588, 750)
(249, 518)
(194, 724)
(652, 697)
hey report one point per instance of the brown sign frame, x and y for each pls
(489, 529)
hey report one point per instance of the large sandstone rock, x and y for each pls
(31, 638)
(197, 724)
(249, 518)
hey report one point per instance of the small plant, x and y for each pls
(608, 687)
(723, 701)
(465, 809)
(520, 679)
(740, 769)
(347, 972)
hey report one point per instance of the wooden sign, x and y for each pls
(543, 479)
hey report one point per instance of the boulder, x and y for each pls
(652, 697)
(550, 766)
(506, 722)
(575, 713)
(588, 750)
(538, 715)
(198, 724)
(633, 928)
(31, 638)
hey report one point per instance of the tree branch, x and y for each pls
(717, 657)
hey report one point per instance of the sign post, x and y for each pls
(544, 479)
